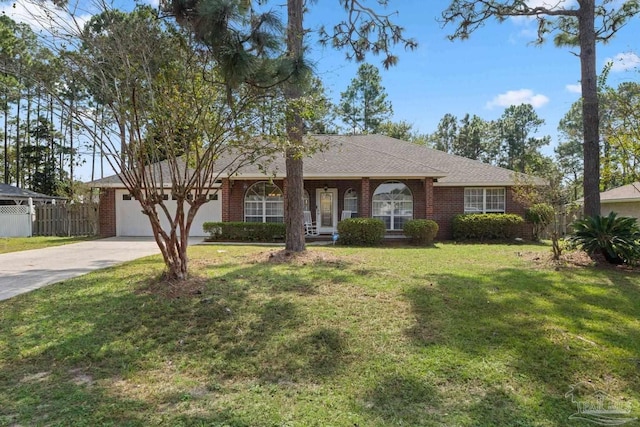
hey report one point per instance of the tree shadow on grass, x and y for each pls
(78, 353)
(546, 333)
(403, 400)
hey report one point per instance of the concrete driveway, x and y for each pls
(24, 271)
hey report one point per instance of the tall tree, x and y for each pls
(363, 105)
(582, 24)
(9, 54)
(467, 137)
(400, 130)
(363, 30)
(237, 34)
(470, 142)
(294, 152)
(444, 137)
(621, 134)
(569, 154)
(514, 130)
(163, 98)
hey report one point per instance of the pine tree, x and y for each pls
(364, 105)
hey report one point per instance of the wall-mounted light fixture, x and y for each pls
(326, 187)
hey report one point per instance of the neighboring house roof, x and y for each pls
(10, 192)
(377, 157)
(626, 193)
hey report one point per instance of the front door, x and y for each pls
(327, 210)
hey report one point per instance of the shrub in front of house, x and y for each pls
(421, 231)
(486, 226)
(361, 231)
(615, 237)
(244, 231)
(540, 215)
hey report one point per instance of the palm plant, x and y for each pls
(616, 238)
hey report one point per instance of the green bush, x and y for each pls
(540, 215)
(486, 226)
(421, 231)
(361, 231)
(616, 238)
(245, 231)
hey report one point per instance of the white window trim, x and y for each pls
(393, 216)
(263, 205)
(355, 197)
(484, 200)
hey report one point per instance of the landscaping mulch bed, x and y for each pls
(284, 256)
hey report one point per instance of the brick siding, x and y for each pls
(107, 212)
(446, 202)
(449, 202)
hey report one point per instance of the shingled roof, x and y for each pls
(626, 193)
(11, 192)
(377, 156)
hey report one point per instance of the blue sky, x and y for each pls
(496, 67)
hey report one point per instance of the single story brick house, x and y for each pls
(366, 175)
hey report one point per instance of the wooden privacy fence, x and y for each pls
(78, 219)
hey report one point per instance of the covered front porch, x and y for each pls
(327, 201)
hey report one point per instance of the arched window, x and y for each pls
(351, 202)
(263, 202)
(393, 203)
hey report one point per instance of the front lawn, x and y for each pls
(15, 244)
(458, 335)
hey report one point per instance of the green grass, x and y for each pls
(458, 335)
(15, 244)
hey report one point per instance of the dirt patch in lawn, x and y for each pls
(171, 289)
(284, 256)
(574, 259)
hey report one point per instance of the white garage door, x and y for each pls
(130, 221)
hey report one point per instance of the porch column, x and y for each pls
(284, 198)
(226, 199)
(428, 186)
(365, 200)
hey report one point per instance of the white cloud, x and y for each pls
(517, 97)
(44, 16)
(577, 88)
(154, 3)
(624, 61)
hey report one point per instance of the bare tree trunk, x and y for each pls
(93, 146)
(62, 142)
(71, 159)
(27, 133)
(18, 139)
(172, 247)
(590, 114)
(294, 216)
(6, 135)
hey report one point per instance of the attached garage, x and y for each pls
(131, 222)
